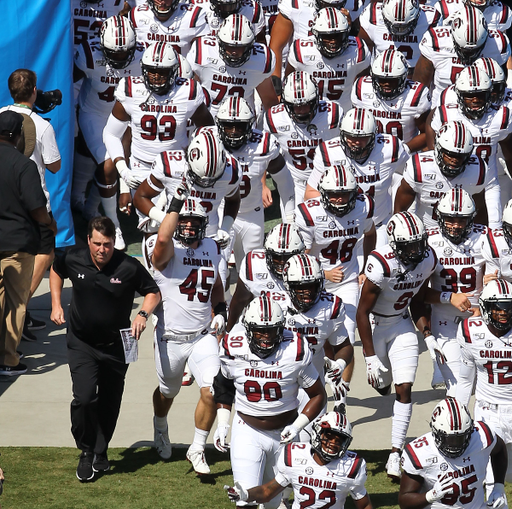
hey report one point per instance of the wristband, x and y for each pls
(221, 309)
(175, 205)
(223, 415)
(156, 214)
(341, 363)
(445, 297)
(123, 187)
(278, 84)
(301, 422)
(227, 223)
(121, 166)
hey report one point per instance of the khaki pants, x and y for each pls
(15, 278)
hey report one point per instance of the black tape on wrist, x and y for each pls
(221, 309)
(175, 206)
(278, 85)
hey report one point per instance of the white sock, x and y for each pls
(400, 423)
(200, 437)
(160, 423)
(110, 208)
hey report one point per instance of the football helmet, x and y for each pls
(469, 33)
(329, 425)
(496, 304)
(479, 4)
(235, 120)
(473, 88)
(264, 325)
(497, 76)
(389, 74)
(300, 97)
(118, 41)
(338, 190)
(337, 4)
(400, 16)
(236, 40)
(192, 212)
(282, 242)
(159, 58)
(331, 31)
(303, 279)
(456, 205)
(184, 69)
(407, 237)
(506, 222)
(206, 159)
(358, 130)
(451, 427)
(224, 8)
(455, 142)
(163, 9)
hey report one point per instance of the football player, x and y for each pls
(233, 64)
(446, 467)
(446, 50)
(327, 458)
(189, 294)
(430, 175)
(257, 153)
(262, 367)
(300, 123)
(332, 57)
(396, 275)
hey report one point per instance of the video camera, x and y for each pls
(46, 101)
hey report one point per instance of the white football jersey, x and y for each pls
(316, 486)
(332, 239)
(492, 358)
(460, 268)
(267, 386)
(437, 46)
(373, 23)
(220, 80)
(374, 176)
(298, 141)
(186, 287)
(398, 283)
(334, 76)
(430, 185)
(396, 116)
(497, 254)
(253, 159)
(158, 122)
(186, 23)
(422, 458)
(497, 14)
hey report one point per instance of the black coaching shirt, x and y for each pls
(102, 300)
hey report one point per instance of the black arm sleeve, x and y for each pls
(223, 389)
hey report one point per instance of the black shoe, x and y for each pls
(21, 354)
(33, 324)
(20, 369)
(84, 471)
(27, 335)
(100, 463)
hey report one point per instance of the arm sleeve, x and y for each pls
(112, 136)
(467, 370)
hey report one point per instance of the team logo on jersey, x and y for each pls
(153, 28)
(332, 225)
(443, 466)
(222, 69)
(439, 185)
(190, 251)
(312, 129)
(254, 364)
(295, 136)
(376, 104)
(270, 285)
(369, 267)
(447, 251)
(309, 470)
(214, 22)
(320, 65)
(488, 344)
(291, 322)
(83, 4)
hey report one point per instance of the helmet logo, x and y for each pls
(390, 227)
(194, 154)
(457, 22)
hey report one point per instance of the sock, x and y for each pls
(200, 437)
(400, 423)
(110, 208)
(160, 423)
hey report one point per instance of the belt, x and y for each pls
(174, 336)
(388, 316)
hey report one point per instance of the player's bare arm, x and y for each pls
(424, 71)
(409, 496)
(267, 93)
(311, 192)
(419, 142)
(404, 198)
(241, 298)
(164, 247)
(366, 38)
(145, 193)
(202, 117)
(481, 208)
(265, 492)
(430, 133)
(282, 32)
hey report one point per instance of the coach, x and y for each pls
(104, 284)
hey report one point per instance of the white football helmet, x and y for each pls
(303, 279)
(469, 33)
(206, 159)
(163, 9)
(332, 423)
(193, 211)
(400, 16)
(300, 97)
(236, 40)
(358, 123)
(264, 324)
(451, 427)
(453, 140)
(473, 88)
(338, 190)
(498, 78)
(389, 74)
(506, 222)
(337, 4)
(160, 58)
(118, 41)
(407, 237)
(184, 69)
(331, 31)
(456, 203)
(496, 304)
(235, 120)
(282, 242)
(479, 4)
(224, 8)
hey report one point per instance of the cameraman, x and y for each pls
(41, 146)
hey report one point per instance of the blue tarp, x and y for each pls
(38, 35)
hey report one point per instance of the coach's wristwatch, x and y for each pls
(144, 314)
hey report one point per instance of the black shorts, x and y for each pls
(47, 239)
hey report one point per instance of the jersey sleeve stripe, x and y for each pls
(360, 50)
(335, 116)
(268, 62)
(295, 4)
(199, 51)
(337, 308)
(394, 157)
(435, 42)
(356, 466)
(443, 115)
(325, 155)
(128, 87)
(270, 121)
(225, 346)
(132, 18)
(296, 51)
(505, 119)
(248, 267)
(89, 59)
(417, 168)
(383, 262)
(412, 456)
(481, 176)
(166, 163)
(195, 17)
(371, 206)
(504, 45)
(266, 144)
(359, 86)
(492, 244)
(288, 455)
(504, 14)
(444, 9)
(193, 89)
(235, 169)
(306, 215)
(488, 433)
(417, 95)
(443, 95)
(465, 331)
(257, 12)
(373, 13)
(300, 348)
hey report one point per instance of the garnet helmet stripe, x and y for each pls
(455, 417)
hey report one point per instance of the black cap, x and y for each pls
(10, 123)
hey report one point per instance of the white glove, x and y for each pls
(127, 175)
(222, 238)
(440, 490)
(219, 325)
(182, 192)
(289, 433)
(236, 492)
(434, 348)
(497, 498)
(374, 368)
(333, 377)
(219, 437)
